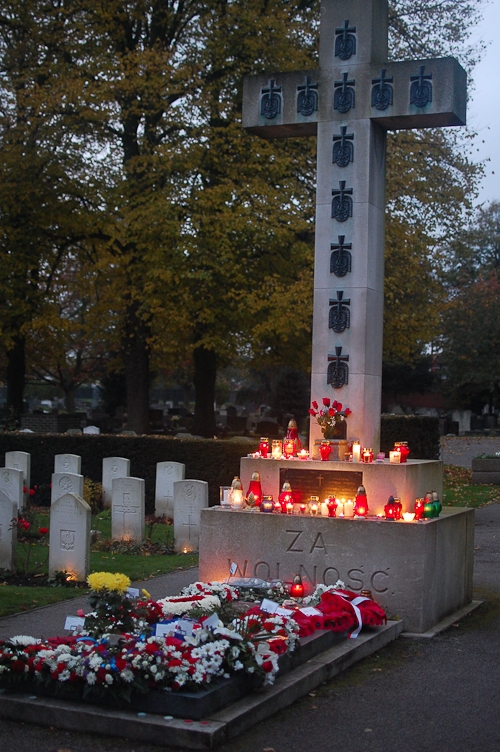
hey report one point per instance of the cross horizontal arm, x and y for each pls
(400, 95)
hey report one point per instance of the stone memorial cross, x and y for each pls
(350, 103)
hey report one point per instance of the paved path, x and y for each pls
(460, 450)
(439, 695)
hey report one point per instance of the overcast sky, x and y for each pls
(484, 106)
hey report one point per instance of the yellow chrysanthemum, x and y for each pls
(108, 581)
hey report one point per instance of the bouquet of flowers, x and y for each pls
(329, 416)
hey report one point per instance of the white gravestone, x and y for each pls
(92, 430)
(8, 531)
(128, 509)
(63, 483)
(112, 467)
(69, 550)
(167, 473)
(20, 461)
(11, 483)
(68, 463)
(349, 103)
(190, 497)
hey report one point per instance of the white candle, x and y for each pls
(356, 451)
(349, 508)
(395, 458)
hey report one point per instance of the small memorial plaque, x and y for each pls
(73, 623)
(306, 483)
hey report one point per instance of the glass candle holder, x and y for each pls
(289, 448)
(277, 449)
(264, 447)
(267, 504)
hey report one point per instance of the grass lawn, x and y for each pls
(137, 566)
(459, 492)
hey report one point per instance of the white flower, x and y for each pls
(23, 640)
(108, 679)
(91, 678)
(238, 666)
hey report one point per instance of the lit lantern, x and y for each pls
(390, 509)
(225, 495)
(419, 508)
(403, 449)
(264, 447)
(408, 516)
(255, 489)
(289, 448)
(297, 588)
(356, 451)
(286, 496)
(289, 507)
(303, 454)
(267, 504)
(437, 504)
(332, 506)
(325, 450)
(292, 434)
(361, 503)
(429, 509)
(237, 501)
(277, 509)
(313, 505)
(399, 509)
(277, 450)
(394, 457)
(367, 455)
(302, 508)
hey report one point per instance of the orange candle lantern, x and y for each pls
(390, 509)
(302, 508)
(361, 503)
(292, 434)
(277, 449)
(325, 450)
(419, 508)
(398, 509)
(236, 497)
(297, 588)
(289, 448)
(286, 496)
(403, 449)
(254, 493)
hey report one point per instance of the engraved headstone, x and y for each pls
(8, 531)
(69, 549)
(127, 509)
(190, 497)
(20, 461)
(68, 463)
(167, 473)
(11, 483)
(112, 467)
(63, 483)
(349, 103)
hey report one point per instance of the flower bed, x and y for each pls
(209, 646)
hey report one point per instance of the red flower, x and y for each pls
(347, 412)
(339, 406)
(331, 412)
(24, 489)
(335, 404)
(31, 492)
(312, 412)
(43, 530)
(267, 666)
(326, 401)
(314, 404)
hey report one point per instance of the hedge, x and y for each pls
(215, 461)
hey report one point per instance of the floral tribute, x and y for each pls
(118, 653)
(329, 416)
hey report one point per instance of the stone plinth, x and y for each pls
(408, 481)
(420, 571)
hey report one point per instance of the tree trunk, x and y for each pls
(136, 358)
(205, 372)
(16, 376)
(69, 400)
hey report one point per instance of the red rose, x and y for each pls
(314, 404)
(312, 412)
(334, 404)
(24, 489)
(31, 492)
(347, 412)
(339, 406)
(331, 412)
(267, 666)
(326, 401)
(43, 530)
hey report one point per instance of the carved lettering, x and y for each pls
(355, 579)
(238, 572)
(297, 534)
(318, 543)
(262, 564)
(304, 573)
(380, 573)
(335, 577)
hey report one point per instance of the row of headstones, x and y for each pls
(67, 478)
(70, 515)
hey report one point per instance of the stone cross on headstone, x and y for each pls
(350, 103)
